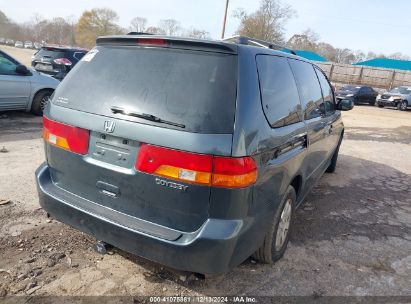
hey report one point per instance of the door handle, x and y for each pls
(328, 128)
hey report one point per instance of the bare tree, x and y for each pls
(267, 23)
(399, 56)
(155, 30)
(170, 27)
(359, 56)
(138, 24)
(196, 33)
(344, 56)
(307, 40)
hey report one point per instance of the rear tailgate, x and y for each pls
(44, 60)
(194, 88)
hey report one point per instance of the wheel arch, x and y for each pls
(297, 183)
(35, 93)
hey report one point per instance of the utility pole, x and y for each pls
(225, 19)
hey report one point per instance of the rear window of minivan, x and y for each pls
(193, 88)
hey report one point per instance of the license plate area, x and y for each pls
(113, 150)
(44, 67)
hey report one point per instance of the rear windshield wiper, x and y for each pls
(118, 110)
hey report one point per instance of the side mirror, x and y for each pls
(345, 105)
(22, 70)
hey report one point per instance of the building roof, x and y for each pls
(308, 55)
(387, 63)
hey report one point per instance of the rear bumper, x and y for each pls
(210, 250)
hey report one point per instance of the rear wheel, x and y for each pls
(276, 239)
(402, 106)
(40, 102)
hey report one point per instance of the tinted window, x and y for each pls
(350, 88)
(328, 94)
(50, 52)
(194, 88)
(309, 88)
(7, 65)
(279, 93)
(401, 90)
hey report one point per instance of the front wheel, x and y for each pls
(278, 236)
(402, 106)
(40, 102)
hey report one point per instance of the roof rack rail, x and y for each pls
(256, 42)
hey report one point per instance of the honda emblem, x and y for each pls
(109, 126)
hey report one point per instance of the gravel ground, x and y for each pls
(352, 235)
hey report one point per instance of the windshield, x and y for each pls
(350, 88)
(401, 90)
(193, 88)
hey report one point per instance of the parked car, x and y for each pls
(399, 97)
(2, 40)
(18, 44)
(57, 61)
(37, 45)
(9, 42)
(190, 153)
(358, 94)
(28, 45)
(22, 88)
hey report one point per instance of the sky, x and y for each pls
(367, 25)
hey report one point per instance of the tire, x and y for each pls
(402, 106)
(273, 247)
(40, 101)
(380, 105)
(333, 165)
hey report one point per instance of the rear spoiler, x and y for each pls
(168, 42)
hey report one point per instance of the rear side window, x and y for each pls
(309, 88)
(7, 65)
(78, 55)
(194, 88)
(279, 93)
(328, 94)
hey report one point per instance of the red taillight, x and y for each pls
(197, 168)
(189, 167)
(67, 137)
(152, 41)
(63, 61)
(234, 172)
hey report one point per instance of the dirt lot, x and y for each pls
(352, 235)
(22, 55)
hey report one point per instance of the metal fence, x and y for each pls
(363, 75)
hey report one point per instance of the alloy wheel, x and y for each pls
(283, 225)
(44, 101)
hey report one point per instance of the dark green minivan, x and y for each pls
(191, 153)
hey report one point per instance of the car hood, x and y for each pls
(43, 79)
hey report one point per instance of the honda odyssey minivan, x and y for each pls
(194, 154)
